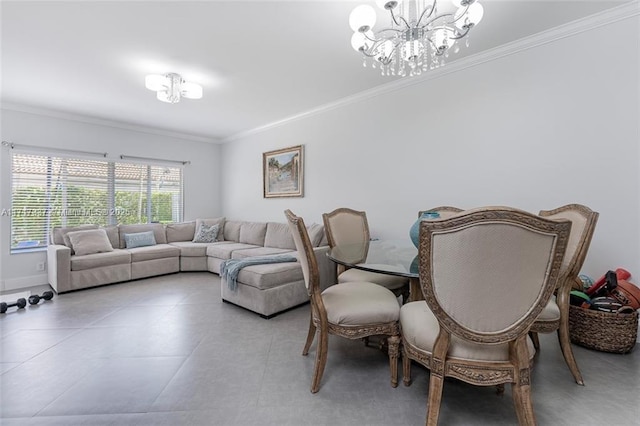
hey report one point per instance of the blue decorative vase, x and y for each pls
(414, 232)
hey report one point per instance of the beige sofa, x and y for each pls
(265, 289)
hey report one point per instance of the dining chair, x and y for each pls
(555, 316)
(345, 226)
(353, 310)
(486, 275)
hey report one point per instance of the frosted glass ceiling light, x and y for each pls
(419, 36)
(171, 87)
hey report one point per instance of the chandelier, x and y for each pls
(419, 36)
(171, 87)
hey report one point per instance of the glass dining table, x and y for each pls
(393, 257)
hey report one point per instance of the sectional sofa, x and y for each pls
(104, 257)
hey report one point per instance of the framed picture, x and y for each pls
(283, 172)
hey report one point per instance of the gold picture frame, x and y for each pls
(283, 172)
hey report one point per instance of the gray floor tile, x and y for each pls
(26, 343)
(122, 385)
(167, 351)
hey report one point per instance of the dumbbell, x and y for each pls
(35, 299)
(20, 303)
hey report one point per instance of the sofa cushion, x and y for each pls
(59, 234)
(159, 251)
(316, 234)
(206, 233)
(180, 231)
(224, 251)
(259, 251)
(232, 230)
(191, 249)
(157, 228)
(112, 233)
(97, 260)
(279, 236)
(220, 221)
(139, 239)
(90, 241)
(270, 275)
(253, 233)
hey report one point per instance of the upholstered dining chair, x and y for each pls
(346, 226)
(555, 316)
(486, 275)
(353, 310)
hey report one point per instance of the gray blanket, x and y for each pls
(230, 268)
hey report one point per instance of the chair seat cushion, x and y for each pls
(551, 312)
(392, 282)
(360, 303)
(420, 328)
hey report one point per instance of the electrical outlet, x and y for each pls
(40, 266)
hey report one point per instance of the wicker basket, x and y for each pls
(603, 331)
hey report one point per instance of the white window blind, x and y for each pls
(50, 191)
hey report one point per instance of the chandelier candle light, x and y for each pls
(419, 36)
(171, 87)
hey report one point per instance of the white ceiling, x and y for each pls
(258, 61)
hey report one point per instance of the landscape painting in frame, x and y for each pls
(283, 172)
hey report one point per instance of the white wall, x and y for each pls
(201, 177)
(547, 126)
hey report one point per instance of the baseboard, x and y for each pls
(24, 282)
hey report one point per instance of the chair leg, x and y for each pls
(406, 369)
(321, 360)
(310, 336)
(436, 378)
(521, 387)
(394, 349)
(523, 404)
(534, 338)
(567, 352)
(436, 382)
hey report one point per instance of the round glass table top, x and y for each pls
(393, 257)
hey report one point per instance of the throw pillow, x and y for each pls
(89, 242)
(220, 221)
(139, 239)
(206, 234)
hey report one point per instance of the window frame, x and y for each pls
(108, 180)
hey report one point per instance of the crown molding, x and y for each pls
(103, 122)
(607, 17)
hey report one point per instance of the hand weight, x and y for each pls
(20, 303)
(35, 299)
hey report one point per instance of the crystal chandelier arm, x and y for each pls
(435, 18)
(391, 29)
(436, 50)
(466, 8)
(433, 8)
(460, 35)
(371, 52)
(395, 21)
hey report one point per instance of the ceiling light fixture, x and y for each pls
(419, 36)
(171, 87)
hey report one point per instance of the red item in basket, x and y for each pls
(621, 274)
(627, 294)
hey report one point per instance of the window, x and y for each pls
(50, 191)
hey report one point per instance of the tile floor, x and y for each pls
(167, 351)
